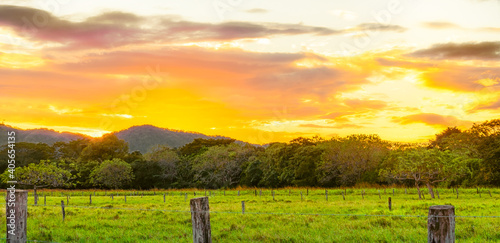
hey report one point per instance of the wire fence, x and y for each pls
(235, 212)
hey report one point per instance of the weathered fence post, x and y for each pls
(379, 197)
(405, 191)
(125, 197)
(326, 195)
(362, 195)
(441, 224)
(273, 195)
(112, 196)
(307, 193)
(343, 196)
(200, 217)
(437, 192)
(477, 188)
(44, 200)
(238, 192)
(390, 204)
(90, 198)
(489, 192)
(67, 200)
(163, 197)
(301, 198)
(16, 202)
(242, 207)
(185, 197)
(260, 193)
(62, 207)
(393, 192)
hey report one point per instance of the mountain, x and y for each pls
(142, 138)
(41, 135)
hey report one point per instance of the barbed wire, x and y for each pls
(267, 213)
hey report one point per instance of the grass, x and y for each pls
(141, 219)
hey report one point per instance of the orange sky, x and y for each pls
(251, 70)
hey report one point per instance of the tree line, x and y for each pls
(455, 157)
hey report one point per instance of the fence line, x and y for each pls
(263, 213)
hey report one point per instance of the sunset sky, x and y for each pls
(258, 71)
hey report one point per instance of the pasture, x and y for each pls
(290, 217)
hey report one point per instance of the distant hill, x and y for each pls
(41, 135)
(140, 138)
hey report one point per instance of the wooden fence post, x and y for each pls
(62, 207)
(185, 197)
(273, 195)
(307, 192)
(343, 196)
(326, 195)
(390, 204)
(44, 200)
(393, 192)
(163, 197)
(301, 198)
(379, 197)
(441, 224)
(16, 202)
(238, 192)
(90, 198)
(362, 195)
(489, 192)
(242, 207)
(125, 196)
(67, 200)
(200, 217)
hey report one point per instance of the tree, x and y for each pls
(167, 161)
(438, 141)
(106, 148)
(200, 145)
(221, 166)
(112, 174)
(27, 153)
(347, 161)
(306, 160)
(428, 166)
(43, 174)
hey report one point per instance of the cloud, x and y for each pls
(336, 115)
(440, 25)
(346, 125)
(403, 64)
(257, 10)
(114, 29)
(365, 104)
(467, 51)
(376, 27)
(458, 78)
(432, 120)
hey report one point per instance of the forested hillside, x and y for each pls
(455, 157)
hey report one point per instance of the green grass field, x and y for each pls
(285, 219)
